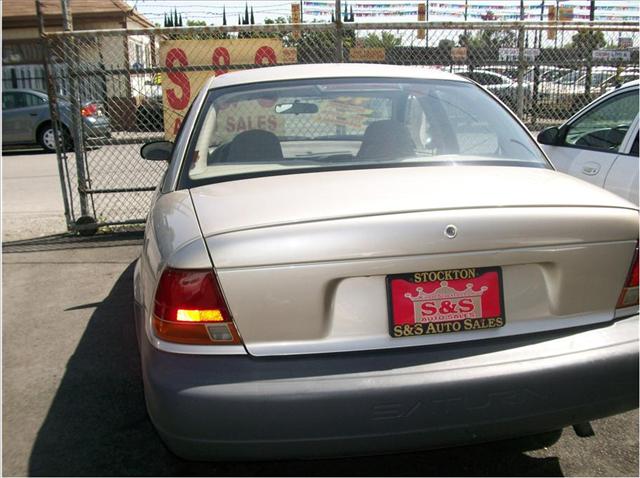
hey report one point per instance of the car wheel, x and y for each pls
(47, 138)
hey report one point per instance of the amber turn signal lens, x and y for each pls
(199, 316)
(195, 334)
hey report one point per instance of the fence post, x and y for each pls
(73, 62)
(521, 66)
(339, 41)
(53, 111)
(588, 79)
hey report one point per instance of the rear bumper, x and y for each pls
(241, 407)
(97, 127)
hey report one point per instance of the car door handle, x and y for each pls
(591, 169)
(33, 114)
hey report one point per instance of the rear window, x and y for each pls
(309, 125)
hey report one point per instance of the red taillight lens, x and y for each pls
(633, 275)
(89, 110)
(629, 294)
(189, 308)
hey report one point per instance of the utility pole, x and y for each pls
(588, 79)
(338, 19)
(521, 60)
(561, 31)
(522, 19)
(426, 11)
(541, 19)
(466, 10)
(536, 69)
(557, 13)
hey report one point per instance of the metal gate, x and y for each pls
(141, 83)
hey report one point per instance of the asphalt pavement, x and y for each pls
(32, 199)
(73, 402)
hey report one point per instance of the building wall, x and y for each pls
(120, 92)
(21, 33)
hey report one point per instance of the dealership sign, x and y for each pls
(512, 54)
(179, 88)
(459, 54)
(611, 55)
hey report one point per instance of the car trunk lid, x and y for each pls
(305, 260)
(286, 199)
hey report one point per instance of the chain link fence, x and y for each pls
(112, 91)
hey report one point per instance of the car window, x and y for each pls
(416, 121)
(8, 101)
(33, 100)
(597, 78)
(484, 79)
(474, 134)
(605, 126)
(471, 75)
(20, 99)
(270, 128)
(570, 78)
(493, 79)
(634, 147)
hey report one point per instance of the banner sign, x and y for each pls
(625, 42)
(179, 88)
(366, 54)
(503, 10)
(565, 14)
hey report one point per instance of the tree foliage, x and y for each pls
(446, 44)
(173, 19)
(313, 46)
(272, 21)
(386, 40)
(586, 41)
(492, 39)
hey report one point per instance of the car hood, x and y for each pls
(297, 198)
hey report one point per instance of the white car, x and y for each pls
(346, 259)
(600, 143)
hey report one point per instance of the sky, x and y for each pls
(379, 10)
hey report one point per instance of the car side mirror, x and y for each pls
(157, 151)
(550, 136)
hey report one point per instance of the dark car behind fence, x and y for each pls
(147, 78)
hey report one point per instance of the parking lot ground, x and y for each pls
(32, 199)
(74, 405)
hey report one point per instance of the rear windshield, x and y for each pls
(289, 126)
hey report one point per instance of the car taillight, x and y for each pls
(629, 294)
(89, 110)
(190, 309)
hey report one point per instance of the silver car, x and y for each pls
(26, 119)
(599, 144)
(500, 85)
(348, 259)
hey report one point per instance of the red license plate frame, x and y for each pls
(445, 301)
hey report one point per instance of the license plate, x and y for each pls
(445, 301)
